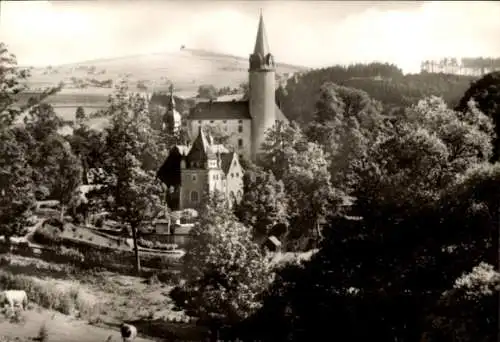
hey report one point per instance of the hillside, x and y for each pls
(383, 82)
(187, 69)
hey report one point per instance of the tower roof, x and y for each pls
(261, 45)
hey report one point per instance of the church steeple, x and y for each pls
(261, 59)
(171, 101)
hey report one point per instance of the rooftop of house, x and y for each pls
(227, 110)
(220, 110)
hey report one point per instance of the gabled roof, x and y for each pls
(226, 160)
(225, 110)
(200, 149)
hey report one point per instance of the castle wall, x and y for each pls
(193, 180)
(232, 127)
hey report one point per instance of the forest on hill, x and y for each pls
(381, 81)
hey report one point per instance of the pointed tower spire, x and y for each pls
(261, 45)
(171, 101)
(261, 59)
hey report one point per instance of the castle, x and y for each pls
(190, 172)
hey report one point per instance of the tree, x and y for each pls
(16, 186)
(225, 271)
(130, 193)
(303, 168)
(264, 202)
(68, 169)
(346, 122)
(14, 97)
(80, 115)
(42, 122)
(485, 92)
(88, 145)
(465, 313)
(207, 91)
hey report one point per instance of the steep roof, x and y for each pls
(261, 45)
(224, 110)
(226, 160)
(200, 148)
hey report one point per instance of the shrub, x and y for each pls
(49, 295)
(156, 245)
(49, 234)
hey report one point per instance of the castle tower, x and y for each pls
(261, 89)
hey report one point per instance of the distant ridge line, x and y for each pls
(193, 51)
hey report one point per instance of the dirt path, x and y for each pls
(60, 328)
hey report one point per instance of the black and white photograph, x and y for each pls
(251, 171)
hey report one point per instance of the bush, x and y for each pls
(48, 235)
(50, 296)
(156, 245)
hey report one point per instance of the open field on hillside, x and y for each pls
(186, 69)
(102, 298)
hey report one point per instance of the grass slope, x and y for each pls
(187, 69)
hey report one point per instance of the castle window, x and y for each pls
(224, 121)
(240, 143)
(237, 174)
(211, 121)
(199, 121)
(193, 178)
(240, 122)
(194, 196)
(240, 129)
(240, 194)
(232, 175)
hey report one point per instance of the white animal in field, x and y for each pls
(128, 332)
(13, 298)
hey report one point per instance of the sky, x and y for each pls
(307, 33)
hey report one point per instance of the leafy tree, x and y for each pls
(279, 148)
(42, 122)
(486, 94)
(68, 169)
(130, 193)
(15, 98)
(264, 202)
(346, 123)
(465, 313)
(80, 115)
(225, 271)
(303, 168)
(218, 135)
(207, 91)
(88, 145)
(16, 186)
